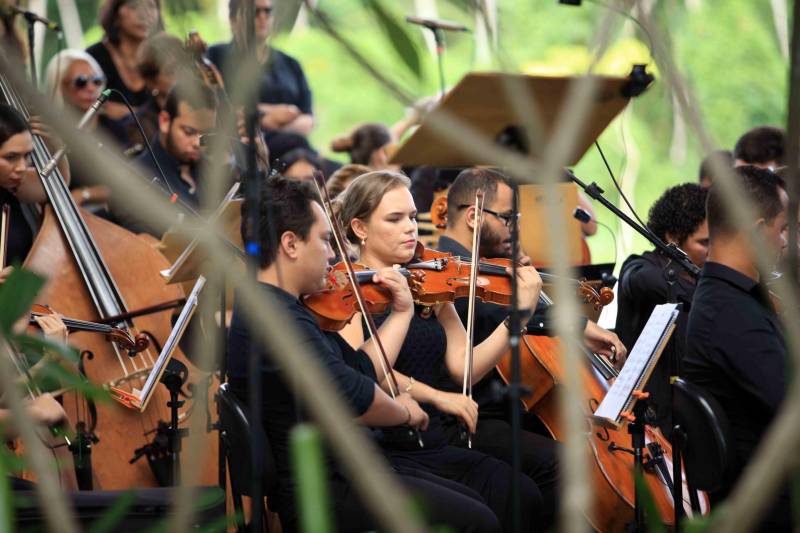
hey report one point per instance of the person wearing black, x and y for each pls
(190, 112)
(678, 217)
(295, 248)
(284, 97)
(126, 24)
(20, 186)
(493, 435)
(735, 343)
(378, 214)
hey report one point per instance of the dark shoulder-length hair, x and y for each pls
(108, 18)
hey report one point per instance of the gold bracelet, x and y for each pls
(410, 384)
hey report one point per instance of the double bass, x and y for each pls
(98, 271)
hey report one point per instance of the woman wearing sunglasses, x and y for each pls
(74, 79)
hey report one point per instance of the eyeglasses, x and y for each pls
(267, 11)
(82, 81)
(507, 218)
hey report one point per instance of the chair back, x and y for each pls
(708, 454)
(237, 435)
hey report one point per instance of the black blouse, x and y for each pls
(100, 52)
(421, 357)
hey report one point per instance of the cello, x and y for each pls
(612, 464)
(97, 271)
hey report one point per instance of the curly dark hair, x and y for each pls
(679, 212)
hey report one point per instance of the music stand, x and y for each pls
(625, 400)
(481, 101)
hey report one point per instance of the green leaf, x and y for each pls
(402, 42)
(468, 6)
(654, 524)
(35, 348)
(17, 295)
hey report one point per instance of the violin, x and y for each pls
(434, 278)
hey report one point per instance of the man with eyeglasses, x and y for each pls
(493, 436)
(189, 113)
(284, 97)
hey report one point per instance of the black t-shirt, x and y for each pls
(282, 79)
(20, 232)
(280, 409)
(100, 52)
(736, 352)
(487, 317)
(642, 286)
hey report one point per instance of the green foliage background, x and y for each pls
(728, 51)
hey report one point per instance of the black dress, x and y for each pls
(422, 356)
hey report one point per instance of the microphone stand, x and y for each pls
(514, 392)
(438, 36)
(32, 18)
(31, 54)
(670, 250)
(677, 257)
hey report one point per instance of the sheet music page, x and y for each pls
(660, 320)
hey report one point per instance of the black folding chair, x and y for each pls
(236, 433)
(704, 435)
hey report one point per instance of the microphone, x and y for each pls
(90, 113)
(434, 24)
(32, 17)
(581, 215)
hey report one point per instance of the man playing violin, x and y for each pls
(493, 434)
(294, 243)
(735, 342)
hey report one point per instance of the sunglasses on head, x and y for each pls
(82, 81)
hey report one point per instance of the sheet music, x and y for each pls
(642, 357)
(172, 342)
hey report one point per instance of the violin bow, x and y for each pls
(338, 237)
(466, 388)
(5, 221)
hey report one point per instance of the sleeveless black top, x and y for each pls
(422, 357)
